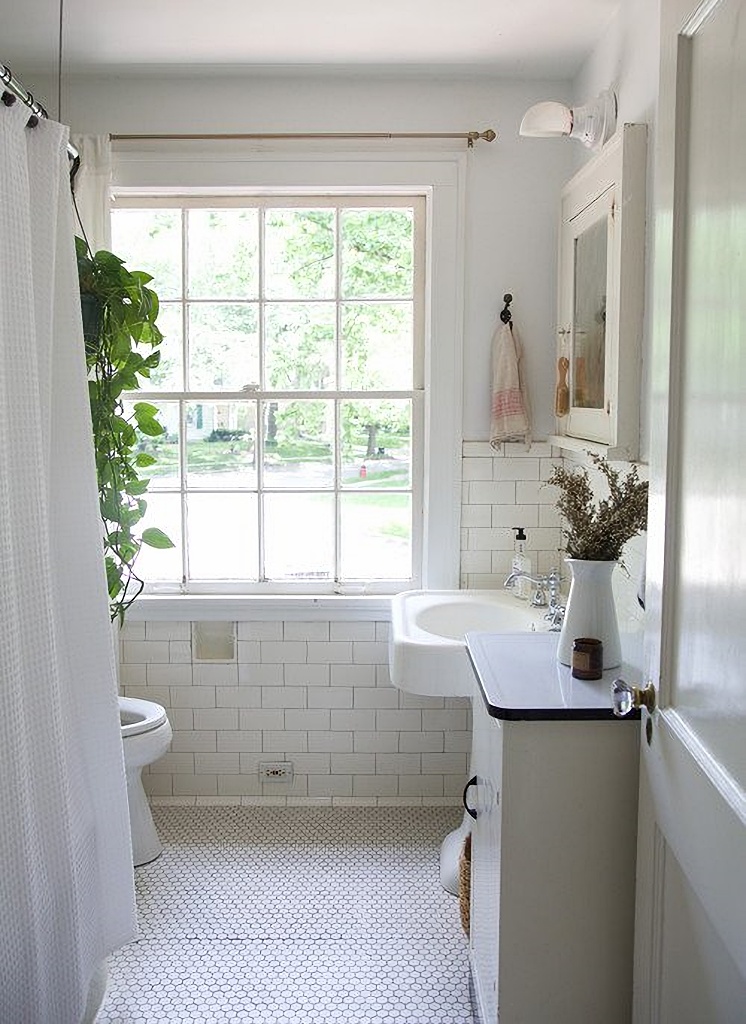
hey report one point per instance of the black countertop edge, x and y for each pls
(549, 714)
(557, 714)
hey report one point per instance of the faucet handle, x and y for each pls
(555, 617)
(539, 597)
(555, 579)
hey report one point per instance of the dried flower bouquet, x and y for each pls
(598, 531)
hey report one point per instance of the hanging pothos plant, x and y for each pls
(121, 346)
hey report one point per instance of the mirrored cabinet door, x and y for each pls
(589, 318)
(600, 300)
(591, 354)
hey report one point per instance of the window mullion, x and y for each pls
(337, 490)
(337, 403)
(417, 483)
(419, 314)
(182, 402)
(183, 493)
(184, 301)
(261, 404)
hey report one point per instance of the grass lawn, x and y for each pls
(233, 456)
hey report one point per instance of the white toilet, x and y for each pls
(146, 734)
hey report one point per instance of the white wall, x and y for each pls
(351, 736)
(510, 227)
(314, 693)
(510, 215)
(500, 491)
(626, 59)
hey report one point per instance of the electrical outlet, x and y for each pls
(276, 771)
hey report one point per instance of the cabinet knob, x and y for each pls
(626, 698)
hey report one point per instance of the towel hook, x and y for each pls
(505, 314)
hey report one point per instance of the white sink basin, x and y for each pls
(427, 651)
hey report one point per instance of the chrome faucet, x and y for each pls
(539, 597)
(555, 613)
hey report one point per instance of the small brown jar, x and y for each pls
(587, 658)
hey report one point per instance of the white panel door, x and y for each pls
(690, 963)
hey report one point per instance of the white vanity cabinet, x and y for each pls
(553, 843)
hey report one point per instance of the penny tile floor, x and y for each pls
(291, 915)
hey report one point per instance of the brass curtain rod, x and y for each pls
(469, 137)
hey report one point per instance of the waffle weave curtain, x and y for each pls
(66, 886)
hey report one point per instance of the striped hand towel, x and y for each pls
(510, 420)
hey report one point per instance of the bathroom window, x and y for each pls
(291, 389)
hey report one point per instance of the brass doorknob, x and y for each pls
(626, 698)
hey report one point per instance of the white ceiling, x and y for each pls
(525, 38)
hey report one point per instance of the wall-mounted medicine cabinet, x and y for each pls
(600, 300)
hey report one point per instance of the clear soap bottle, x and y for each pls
(521, 564)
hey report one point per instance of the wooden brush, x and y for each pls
(562, 391)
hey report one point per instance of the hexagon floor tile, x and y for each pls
(294, 915)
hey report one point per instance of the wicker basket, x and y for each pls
(464, 883)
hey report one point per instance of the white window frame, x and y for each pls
(440, 178)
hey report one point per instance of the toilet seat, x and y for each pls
(139, 716)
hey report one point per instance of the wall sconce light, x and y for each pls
(593, 123)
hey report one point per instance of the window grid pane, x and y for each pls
(222, 247)
(303, 454)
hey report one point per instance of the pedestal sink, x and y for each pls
(426, 647)
(427, 656)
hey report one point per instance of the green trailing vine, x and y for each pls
(122, 346)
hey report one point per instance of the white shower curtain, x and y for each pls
(66, 888)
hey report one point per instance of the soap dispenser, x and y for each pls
(521, 563)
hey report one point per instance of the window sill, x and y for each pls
(244, 608)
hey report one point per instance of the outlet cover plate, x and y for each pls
(276, 771)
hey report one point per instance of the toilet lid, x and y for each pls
(138, 716)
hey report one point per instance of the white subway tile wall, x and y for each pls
(502, 490)
(507, 489)
(318, 693)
